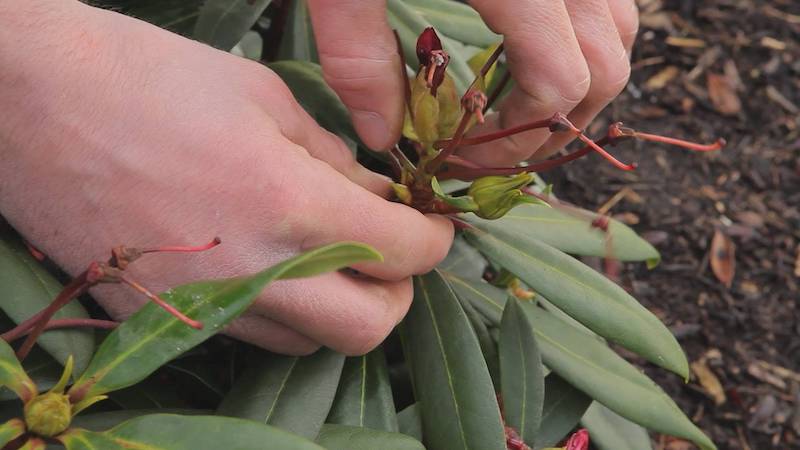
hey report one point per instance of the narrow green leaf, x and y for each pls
(488, 300)
(345, 437)
(612, 432)
(41, 368)
(488, 345)
(297, 40)
(591, 366)
(173, 432)
(450, 378)
(152, 337)
(309, 88)
(570, 230)
(521, 372)
(289, 392)
(223, 23)
(463, 260)
(586, 295)
(364, 397)
(410, 421)
(12, 375)
(563, 407)
(10, 431)
(102, 421)
(456, 20)
(179, 16)
(27, 288)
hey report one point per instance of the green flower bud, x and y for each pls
(48, 414)
(497, 195)
(434, 116)
(464, 203)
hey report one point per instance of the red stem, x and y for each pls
(184, 249)
(680, 142)
(448, 150)
(160, 302)
(73, 289)
(57, 324)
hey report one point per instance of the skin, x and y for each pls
(125, 133)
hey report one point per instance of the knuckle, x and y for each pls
(614, 78)
(574, 85)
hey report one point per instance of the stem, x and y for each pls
(448, 150)
(56, 324)
(160, 302)
(76, 287)
(184, 249)
(475, 140)
(501, 86)
(680, 142)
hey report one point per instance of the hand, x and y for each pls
(568, 56)
(121, 133)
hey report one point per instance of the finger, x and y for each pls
(300, 128)
(548, 67)
(626, 17)
(347, 314)
(411, 243)
(270, 335)
(602, 47)
(360, 61)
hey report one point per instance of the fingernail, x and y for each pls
(373, 129)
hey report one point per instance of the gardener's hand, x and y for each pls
(114, 131)
(567, 56)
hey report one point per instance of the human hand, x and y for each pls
(121, 133)
(568, 56)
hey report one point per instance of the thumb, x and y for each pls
(360, 61)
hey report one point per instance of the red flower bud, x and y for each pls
(432, 58)
(578, 441)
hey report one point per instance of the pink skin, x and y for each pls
(568, 56)
(115, 132)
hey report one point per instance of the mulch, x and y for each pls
(702, 70)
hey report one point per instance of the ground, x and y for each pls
(730, 68)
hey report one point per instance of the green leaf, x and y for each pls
(488, 345)
(410, 421)
(364, 397)
(152, 337)
(588, 364)
(463, 260)
(450, 378)
(223, 23)
(12, 375)
(611, 432)
(297, 40)
(309, 88)
(102, 421)
(584, 294)
(563, 407)
(10, 431)
(488, 300)
(26, 289)
(456, 20)
(173, 432)
(570, 230)
(179, 16)
(345, 437)
(289, 392)
(592, 367)
(522, 376)
(41, 368)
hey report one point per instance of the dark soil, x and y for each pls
(747, 335)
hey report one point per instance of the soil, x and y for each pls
(702, 70)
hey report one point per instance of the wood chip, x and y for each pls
(797, 263)
(677, 41)
(723, 95)
(709, 381)
(772, 43)
(775, 12)
(759, 373)
(662, 78)
(780, 99)
(722, 257)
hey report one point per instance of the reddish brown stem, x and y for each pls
(501, 86)
(160, 302)
(680, 142)
(184, 249)
(475, 140)
(455, 160)
(448, 150)
(57, 324)
(73, 289)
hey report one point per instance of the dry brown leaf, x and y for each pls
(722, 258)
(760, 373)
(709, 381)
(723, 94)
(676, 41)
(662, 78)
(772, 43)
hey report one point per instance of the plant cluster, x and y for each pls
(506, 344)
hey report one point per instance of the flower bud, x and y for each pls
(497, 195)
(578, 441)
(48, 414)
